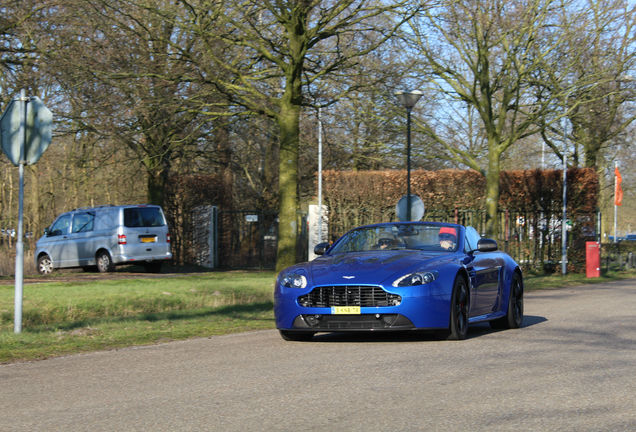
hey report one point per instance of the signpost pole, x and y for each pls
(19, 247)
(19, 259)
(564, 232)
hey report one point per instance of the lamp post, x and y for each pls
(564, 231)
(319, 175)
(408, 99)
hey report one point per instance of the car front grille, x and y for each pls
(349, 295)
(353, 322)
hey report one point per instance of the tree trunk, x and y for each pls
(591, 156)
(221, 133)
(156, 187)
(492, 193)
(289, 123)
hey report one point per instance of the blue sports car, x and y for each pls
(400, 276)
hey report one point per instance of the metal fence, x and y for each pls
(533, 239)
(618, 256)
(247, 239)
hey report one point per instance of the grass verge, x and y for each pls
(61, 318)
(554, 281)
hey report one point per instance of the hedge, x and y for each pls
(360, 197)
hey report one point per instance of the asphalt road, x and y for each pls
(572, 367)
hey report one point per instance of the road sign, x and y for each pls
(417, 208)
(38, 126)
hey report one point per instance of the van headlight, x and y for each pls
(294, 280)
(414, 279)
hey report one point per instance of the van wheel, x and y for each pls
(45, 265)
(104, 263)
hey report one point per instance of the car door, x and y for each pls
(82, 237)
(485, 272)
(57, 242)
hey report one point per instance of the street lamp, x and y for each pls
(408, 99)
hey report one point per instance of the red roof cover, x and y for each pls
(448, 230)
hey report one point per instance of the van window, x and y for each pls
(60, 226)
(138, 217)
(83, 222)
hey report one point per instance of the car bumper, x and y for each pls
(420, 308)
(121, 259)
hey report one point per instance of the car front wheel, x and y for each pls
(514, 313)
(460, 305)
(45, 265)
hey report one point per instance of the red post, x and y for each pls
(592, 259)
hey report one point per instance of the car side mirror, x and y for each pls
(321, 248)
(486, 245)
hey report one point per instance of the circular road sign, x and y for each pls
(417, 208)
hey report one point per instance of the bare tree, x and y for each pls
(487, 58)
(279, 49)
(599, 38)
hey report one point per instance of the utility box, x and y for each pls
(592, 259)
(317, 224)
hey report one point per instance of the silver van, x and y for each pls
(104, 237)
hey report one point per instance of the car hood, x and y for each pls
(371, 267)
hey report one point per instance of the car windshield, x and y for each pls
(398, 236)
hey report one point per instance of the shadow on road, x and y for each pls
(474, 331)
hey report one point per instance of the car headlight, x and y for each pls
(294, 280)
(413, 279)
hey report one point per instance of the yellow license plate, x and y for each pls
(345, 310)
(147, 239)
